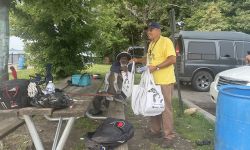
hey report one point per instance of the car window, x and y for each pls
(226, 49)
(136, 51)
(201, 51)
(241, 49)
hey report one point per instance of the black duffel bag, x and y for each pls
(14, 94)
(110, 134)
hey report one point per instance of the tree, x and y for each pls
(108, 39)
(55, 32)
(4, 39)
(58, 31)
(208, 18)
(241, 16)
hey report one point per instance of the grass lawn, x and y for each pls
(23, 74)
(192, 127)
(96, 69)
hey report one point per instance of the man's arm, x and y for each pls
(169, 61)
(247, 59)
(142, 60)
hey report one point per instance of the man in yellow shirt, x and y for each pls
(161, 58)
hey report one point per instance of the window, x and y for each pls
(241, 49)
(201, 51)
(136, 51)
(226, 49)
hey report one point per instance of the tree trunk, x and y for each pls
(4, 39)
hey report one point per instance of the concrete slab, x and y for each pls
(9, 125)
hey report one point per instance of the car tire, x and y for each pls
(202, 80)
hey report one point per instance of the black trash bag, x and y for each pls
(110, 134)
(55, 100)
(14, 94)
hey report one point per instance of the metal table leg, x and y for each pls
(55, 119)
(35, 136)
(33, 132)
(57, 134)
(94, 117)
(65, 133)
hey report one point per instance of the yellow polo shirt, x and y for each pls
(158, 52)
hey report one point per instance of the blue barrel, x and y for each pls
(21, 62)
(232, 129)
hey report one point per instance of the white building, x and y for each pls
(14, 56)
(16, 46)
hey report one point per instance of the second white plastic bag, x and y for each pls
(147, 98)
(128, 81)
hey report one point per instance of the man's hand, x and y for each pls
(139, 60)
(152, 68)
(133, 59)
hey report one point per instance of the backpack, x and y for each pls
(14, 94)
(110, 134)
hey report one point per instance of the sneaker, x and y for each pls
(167, 143)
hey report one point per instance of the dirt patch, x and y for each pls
(138, 142)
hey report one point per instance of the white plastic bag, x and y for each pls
(147, 98)
(137, 95)
(128, 81)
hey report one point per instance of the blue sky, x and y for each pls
(16, 43)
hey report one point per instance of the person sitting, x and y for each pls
(113, 84)
(121, 63)
(13, 72)
(114, 78)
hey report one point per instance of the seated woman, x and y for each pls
(113, 84)
(114, 78)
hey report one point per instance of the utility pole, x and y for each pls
(145, 40)
(173, 31)
(4, 39)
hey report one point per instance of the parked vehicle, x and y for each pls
(201, 55)
(235, 76)
(137, 52)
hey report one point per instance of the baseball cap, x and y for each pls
(153, 25)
